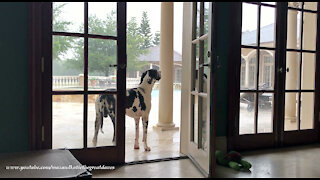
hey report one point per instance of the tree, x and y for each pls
(145, 31)
(60, 45)
(103, 53)
(135, 40)
(156, 39)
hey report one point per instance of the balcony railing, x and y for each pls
(96, 82)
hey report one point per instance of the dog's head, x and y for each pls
(151, 75)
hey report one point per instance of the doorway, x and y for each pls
(77, 82)
(277, 101)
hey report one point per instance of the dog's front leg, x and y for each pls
(136, 142)
(145, 127)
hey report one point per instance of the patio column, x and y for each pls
(165, 121)
(247, 72)
(292, 64)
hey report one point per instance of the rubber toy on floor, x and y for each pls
(233, 160)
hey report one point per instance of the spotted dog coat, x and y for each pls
(138, 104)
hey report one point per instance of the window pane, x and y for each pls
(67, 63)
(293, 29)
(265, 113)
(295, 4)
(67, 121)
(308, 71)
(205, 51)
(267, 26)
(102, 18)
(204, 123)
(307, 111)
(195, 119)
(309, 31)
(198, 20)
(248, 68)
(272, 3)
(102, 53)
(266, 70)
(292, 71)
(94, 119)
(246, 120)
(206, 17)
(310, 5)
(249, 24)
(291, 111)
(196, 70)
(252, 71)
(68, 17)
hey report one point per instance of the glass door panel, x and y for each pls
(88, 59)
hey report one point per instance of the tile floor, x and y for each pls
(168, 169)
(291, 162)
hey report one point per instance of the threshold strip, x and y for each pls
(156, 160)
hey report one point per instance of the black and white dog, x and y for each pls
(138, 105)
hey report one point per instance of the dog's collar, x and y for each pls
(142, 89)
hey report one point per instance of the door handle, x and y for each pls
(280, 70)
(121, 66)
(206, 64)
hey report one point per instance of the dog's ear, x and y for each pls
(142, 76)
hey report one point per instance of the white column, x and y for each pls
(292, 64)
(165, 121)
(247, 72)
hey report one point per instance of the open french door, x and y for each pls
(68, 99)
(200, 140)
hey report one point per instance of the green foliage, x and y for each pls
(145, 31)
(156, 39)
(60, 45)
(101, 53)
(134, 41)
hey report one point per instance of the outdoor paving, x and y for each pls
(68, 131)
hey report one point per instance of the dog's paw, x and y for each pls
(136, 146)
(147, 149)
(94, 143)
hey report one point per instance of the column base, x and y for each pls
(168, 127)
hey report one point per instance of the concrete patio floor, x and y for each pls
(68, 131)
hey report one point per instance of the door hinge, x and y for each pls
(42, 133)
(42, 64)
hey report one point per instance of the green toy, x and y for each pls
(232, 159)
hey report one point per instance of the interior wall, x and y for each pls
(222, 74)
(14, 123)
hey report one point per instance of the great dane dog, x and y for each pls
(138, 104)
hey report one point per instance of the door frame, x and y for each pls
(278, 137)
(40, 64)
